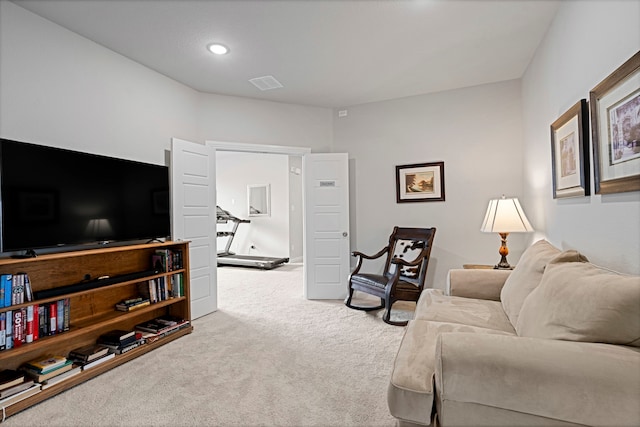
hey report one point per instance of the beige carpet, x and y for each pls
(267, 357)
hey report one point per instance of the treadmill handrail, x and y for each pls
(227, 216)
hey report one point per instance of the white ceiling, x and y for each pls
(325, 53)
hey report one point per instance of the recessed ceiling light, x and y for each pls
(218, 49)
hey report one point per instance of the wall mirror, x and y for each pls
(258, 200)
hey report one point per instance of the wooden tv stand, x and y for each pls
(92, 311)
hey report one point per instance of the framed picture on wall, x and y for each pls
(570, 152)
(422, 182)
(615, 127)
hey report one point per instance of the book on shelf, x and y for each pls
(35, 322)
(28, 292)
(88, 353)
(9, 330)
(95, 362)
(132, 304)
(39, 377)
(6, 281)
(66, 312)
(177, 285)
(17, 289)
(162, 325)
(53, 318)
(43, 320)
(47, 363)
(15, 398)
(60, 316)
(18, 326)
(123, 348)
(166, 260)
(10, 377)
(117, 337)
(75, 370)
(29, 325)
(3, 330)
(25, 384)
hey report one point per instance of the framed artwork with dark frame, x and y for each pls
(421, 182)
(615, 127)
(570, 152)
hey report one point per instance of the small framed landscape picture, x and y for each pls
(570, 152)
(615, 126)
(422, 182)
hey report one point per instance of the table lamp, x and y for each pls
(505, 216)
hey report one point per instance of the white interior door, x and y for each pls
(193, 210)
(326, 228)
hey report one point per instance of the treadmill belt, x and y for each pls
(252, 261)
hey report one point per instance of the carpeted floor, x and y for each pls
(267, 357)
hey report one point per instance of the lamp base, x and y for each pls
(503, 251)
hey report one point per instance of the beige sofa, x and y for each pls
(555, 342)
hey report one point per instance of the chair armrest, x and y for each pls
(361, 256)
(374, 256)
(583, 383)
(480, 284)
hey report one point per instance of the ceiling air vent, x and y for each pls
(266, 83)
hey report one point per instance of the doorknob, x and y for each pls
(345, 234)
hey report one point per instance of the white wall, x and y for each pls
(235, 119)
(269, 234)
(476, 131)
(60, 89)
(586, 42)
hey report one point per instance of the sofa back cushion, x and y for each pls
(578, 301)
(525, 277)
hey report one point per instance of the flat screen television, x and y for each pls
(57, 198)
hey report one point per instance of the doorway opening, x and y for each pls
(274, 226)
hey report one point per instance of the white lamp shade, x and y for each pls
(505, 216)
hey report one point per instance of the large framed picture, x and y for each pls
(570, 152)
(422, 182)
(615, 126)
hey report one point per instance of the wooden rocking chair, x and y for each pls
(404, 271)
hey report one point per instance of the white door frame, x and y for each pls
(242, 147)
(273, 149)
(258, 148)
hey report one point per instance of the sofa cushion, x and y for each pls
(526, 277)
(411, 390)
(433, 305)
(543, 380)
(578, 301)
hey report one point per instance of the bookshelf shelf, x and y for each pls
(91, 311)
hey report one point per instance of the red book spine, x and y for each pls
(18, 328)
(36, 323)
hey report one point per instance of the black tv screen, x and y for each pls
(53, 197)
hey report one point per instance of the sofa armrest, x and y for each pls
(578, 382)
(480, 284)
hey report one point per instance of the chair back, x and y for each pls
(410, 244)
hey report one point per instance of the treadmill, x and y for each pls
(226, 257)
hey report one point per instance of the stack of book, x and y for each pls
(14, 387)
(167, 260)
(119, 341)
(90, 355)
(161, 326)
(43, 369)
(132, 304)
